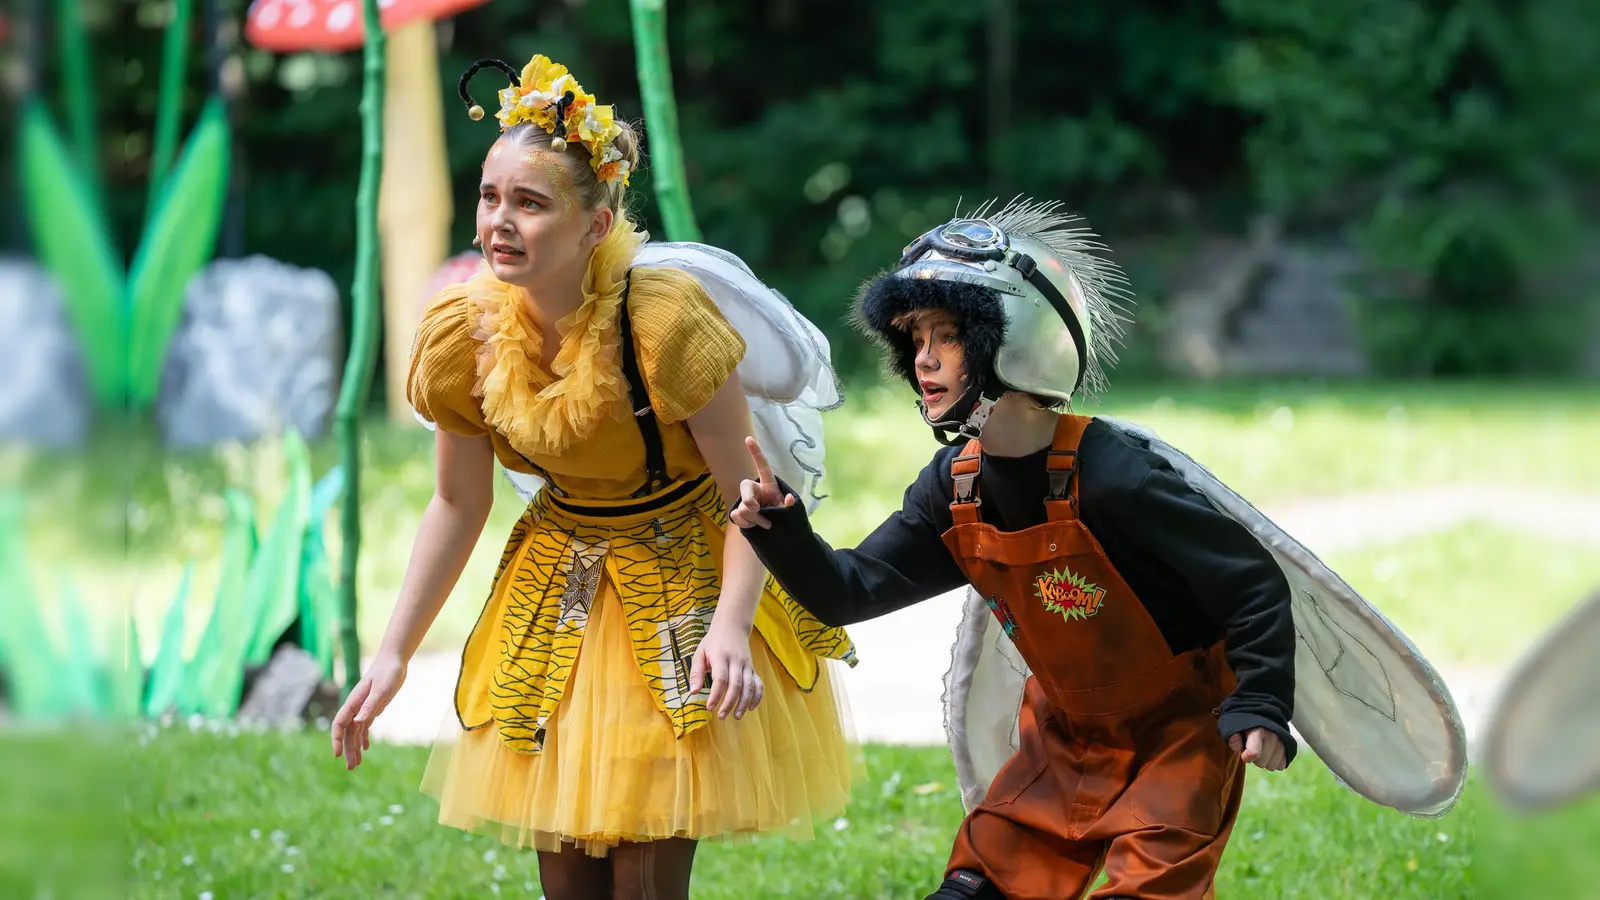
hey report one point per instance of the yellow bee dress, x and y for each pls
(576, 721)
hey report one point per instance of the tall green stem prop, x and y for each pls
(661, 119)
(363, 336)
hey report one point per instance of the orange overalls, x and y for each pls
(1121, 765)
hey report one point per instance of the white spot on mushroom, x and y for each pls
(301, 16)
(271, 12)
(341, 17)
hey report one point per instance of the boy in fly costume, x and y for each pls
(1159, 630)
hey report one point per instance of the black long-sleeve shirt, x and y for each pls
(1200, 574)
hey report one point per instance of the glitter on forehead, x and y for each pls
(557, 173)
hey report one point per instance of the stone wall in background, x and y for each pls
(1266, 305)
(1258, 305)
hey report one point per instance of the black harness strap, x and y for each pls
(1026, 265)
(655, 458)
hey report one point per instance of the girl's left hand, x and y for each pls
(724, 655)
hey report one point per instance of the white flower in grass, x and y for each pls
(366, 826)
(396, 809)
(489, 855)
(255, 834)
(206, 895)
(386, 820)
(893, 784)
(291, 851)
(495, 888)
(841, 823)
(188, 859)
(499, 873)
(288, 868)
(1443, 838)
(278, 837)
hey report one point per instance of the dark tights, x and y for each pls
(654, 870)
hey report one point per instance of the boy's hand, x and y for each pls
(753, 495)
(1260, 746)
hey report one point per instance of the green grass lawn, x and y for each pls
(273, 815)
(1475, 595)
(1271, 442)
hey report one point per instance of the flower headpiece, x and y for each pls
(545, 94)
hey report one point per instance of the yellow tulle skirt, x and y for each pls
(612, 769)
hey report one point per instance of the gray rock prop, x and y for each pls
(260, 347)
(283, 689)
(44, 390)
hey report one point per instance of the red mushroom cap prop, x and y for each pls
(288, 26)
(455, 270)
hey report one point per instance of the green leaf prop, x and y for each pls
(82, 676)
(179, 239)
(319, 600)
(174, 60)
(131, 685)
(71, 240)
(271, 595)
(26, 651)
(205, 689)
(166, 674)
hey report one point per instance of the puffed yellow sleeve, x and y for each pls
(686, 347)
(444, 366)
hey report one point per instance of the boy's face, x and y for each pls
(941, 367)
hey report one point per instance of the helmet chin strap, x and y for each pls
(965, 419)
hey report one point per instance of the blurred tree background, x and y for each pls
(1454, 144)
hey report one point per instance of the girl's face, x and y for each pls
(531, 220)
(940, 363)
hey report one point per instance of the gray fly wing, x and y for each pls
(1366, 700)
(1541, 745)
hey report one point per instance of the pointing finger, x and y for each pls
(769, 484)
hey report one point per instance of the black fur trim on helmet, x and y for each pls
(976, 309)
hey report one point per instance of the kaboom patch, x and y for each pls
(1070, 595)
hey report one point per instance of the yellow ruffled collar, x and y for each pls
(538, 413)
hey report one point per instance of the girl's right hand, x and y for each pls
(753, 495)
(370, 697)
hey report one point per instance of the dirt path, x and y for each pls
(895, 692)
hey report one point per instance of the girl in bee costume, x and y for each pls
(635, 683)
